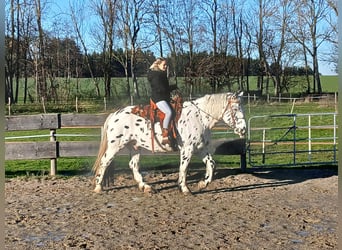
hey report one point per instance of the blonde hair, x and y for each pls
(156, 63)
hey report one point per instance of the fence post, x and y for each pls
(43, 103)
(249, 103)
(53, 161)
(76, 103)
(9, 106)
(243, 162)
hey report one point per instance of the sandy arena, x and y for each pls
(259, 209)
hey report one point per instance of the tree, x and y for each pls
(133, 17)
(10, 61)
(136, 14)
(107, 13)
(172, 31)
(77, 13)
(39, 55)
(310, 31)
(189, 21)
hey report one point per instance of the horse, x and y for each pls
(124, 129)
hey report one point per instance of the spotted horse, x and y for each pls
(125, 129)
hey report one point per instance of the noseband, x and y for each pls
(232, 100)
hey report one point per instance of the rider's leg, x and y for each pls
(166, 109)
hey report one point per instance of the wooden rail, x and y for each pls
(54, 149)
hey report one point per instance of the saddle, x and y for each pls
(152, 113)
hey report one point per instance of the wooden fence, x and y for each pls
(54, 149)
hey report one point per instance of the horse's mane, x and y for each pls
(213, 104)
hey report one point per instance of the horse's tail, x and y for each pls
(102, 149)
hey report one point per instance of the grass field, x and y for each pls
(85, 88)
(82, 165)
(88, 102)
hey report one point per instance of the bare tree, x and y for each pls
(260, 42)
(170, 26)
(133, 17)
(277, 44)
(271, 42)
(188, 21)
(26, 30)
(77, 13)
(211, 8)
(136, 13)
(123, 58)
(157, 16)
(106, 10)
(10, 44)
(238, 38)
(332, 20)
(39, 55)
(307, 32)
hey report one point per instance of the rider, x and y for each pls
(160, 93)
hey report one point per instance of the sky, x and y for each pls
(58, 6)
(326, 69)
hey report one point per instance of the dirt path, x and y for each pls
(270, 209)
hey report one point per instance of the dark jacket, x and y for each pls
(160, 88)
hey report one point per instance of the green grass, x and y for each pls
(68, 90)
(82, 165)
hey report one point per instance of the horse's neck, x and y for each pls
(208, 117)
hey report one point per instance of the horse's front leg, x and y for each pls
(210, 168)
(185, 157)
(134, 165)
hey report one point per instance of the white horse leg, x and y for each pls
(185, 157)
(134, 165)
(210, 168)
(106, 159)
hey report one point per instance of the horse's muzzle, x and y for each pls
(240, 131)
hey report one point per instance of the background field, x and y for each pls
(82, 97)
(82, 165)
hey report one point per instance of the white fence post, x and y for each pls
(76, 104)
(53, 161)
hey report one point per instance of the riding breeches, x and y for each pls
(166, 109)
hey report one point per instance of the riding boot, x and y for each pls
(165, 135)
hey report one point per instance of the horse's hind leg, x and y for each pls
(134, 165)
(210, 168)
(106, 159)
(185, 157)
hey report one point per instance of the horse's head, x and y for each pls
(234, 116)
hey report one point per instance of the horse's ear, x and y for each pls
(240, 94)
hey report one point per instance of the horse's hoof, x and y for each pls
(187, 193)
(98, 189)
(150, 190)
(201, 185)
(147, 189)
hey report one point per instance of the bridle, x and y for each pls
(233, 99)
